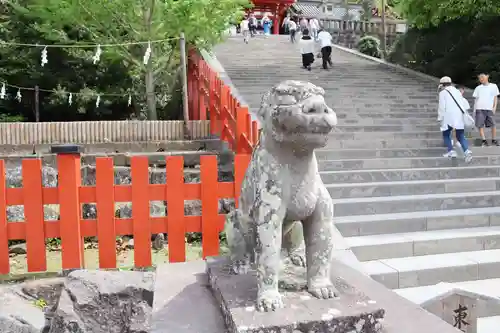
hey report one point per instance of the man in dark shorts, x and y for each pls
(485, 105)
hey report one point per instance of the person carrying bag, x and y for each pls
(452, 116)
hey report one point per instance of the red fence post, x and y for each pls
(4, 237)
(209, 205)
(69, 182)
(140, 211)
(190, 81)
(202, 112)
(212, 104)
(175, 209)
(240, 168)
(241, 119)
(255, 132)
(105, 200)
(33, 215)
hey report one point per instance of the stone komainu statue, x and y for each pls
(281, 188)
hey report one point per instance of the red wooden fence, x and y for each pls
(210, 98)
(71, 227)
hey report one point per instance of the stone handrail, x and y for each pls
(372, 26)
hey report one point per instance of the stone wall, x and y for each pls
(123, 176)
(348, 33)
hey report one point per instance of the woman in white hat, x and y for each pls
(451, 117)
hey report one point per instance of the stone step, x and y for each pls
(404, 162)
(381, 114)
(384, 175)
(386, 135)
(432, 269)
(419, 295)
(390, 188)
(415, 203)
(342, 154)
(182, 302)
(365, 225)
(375, 247)
(385, 128)
(384, 122)
(370, 143)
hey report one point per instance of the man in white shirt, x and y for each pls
(486, 98)
(285, 24)
(303, 24)
(306, 45)
(245, 29)
(253, 25)
(314, 27)
(325, 41)
(292, 27)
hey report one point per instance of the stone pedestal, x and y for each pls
(352, 312)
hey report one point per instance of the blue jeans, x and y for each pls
(460, 137)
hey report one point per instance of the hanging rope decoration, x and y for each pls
(97, 55)
(95, 59)
(70, 95)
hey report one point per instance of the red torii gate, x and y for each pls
(277, 8)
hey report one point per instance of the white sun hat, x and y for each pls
(445, 79)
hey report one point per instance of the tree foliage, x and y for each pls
(121, 69)
(460, 49)
(428, 13)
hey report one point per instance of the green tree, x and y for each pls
(103, 22)
(427, 13)
(20, 65)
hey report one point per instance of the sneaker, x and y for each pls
(450, 154)
(495, 143)
(309, 68)
(484, 143)
(468, 156)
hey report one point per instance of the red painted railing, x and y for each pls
(210, 98)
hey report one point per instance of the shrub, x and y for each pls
(370, 46)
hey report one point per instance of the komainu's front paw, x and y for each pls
(240, 267)
(269, 301)
(298, 259)
(323, 289)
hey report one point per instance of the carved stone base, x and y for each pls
(352, 312)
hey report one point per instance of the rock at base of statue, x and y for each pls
(104, 301)
(352, 312)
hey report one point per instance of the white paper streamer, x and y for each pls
(3, 92)
(97, 55)
(147, 54)
(18, 95)
(70, 99)
(44, 56)
(129, 100)
(98, 101)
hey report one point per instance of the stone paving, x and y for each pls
(412, 217)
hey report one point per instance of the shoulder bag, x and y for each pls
(469, 122)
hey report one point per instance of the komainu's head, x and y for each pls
(295, 113)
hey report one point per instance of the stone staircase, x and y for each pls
(412, 217)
